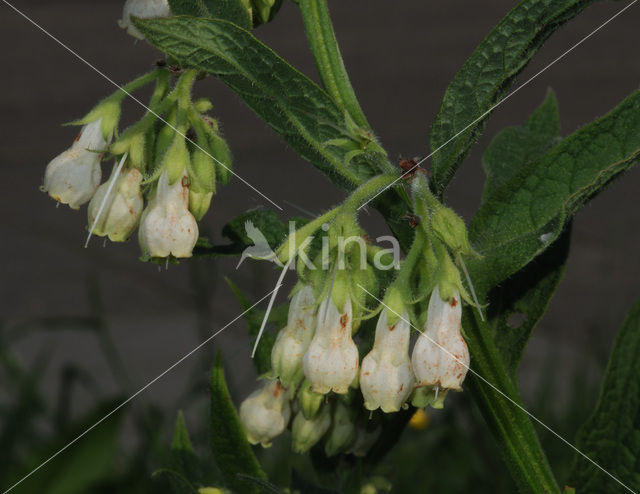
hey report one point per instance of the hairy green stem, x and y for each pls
(326, 53)
(501, 406)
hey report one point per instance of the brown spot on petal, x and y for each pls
(392, 327)
(279, 389)
(185, 181)
(401, 388)
(453, 302)
(78, 137)
(367, 373)
(344, 319)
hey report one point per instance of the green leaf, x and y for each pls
(253, 319)
(231, 450)
(183, 459)
(516, 306)
(294, 106)
(268, 224)
(514, 147)
(524, 216)
(611, 437)
(188, 7)
(488, 74)
(231, 10)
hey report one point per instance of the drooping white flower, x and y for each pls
(167, 227)
(331, 361)
(386, 378)
(305, 433)
(73, 176)
(293, 340)
(122, 207)
(265, 413)
(144, 9)
(440, 356)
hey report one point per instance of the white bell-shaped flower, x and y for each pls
(386, 378)
(144, 9)
(440, 356)
(122, 207)
(293, 340)
(265, 413)
(73, 176)
(331, 361)
(167, 227)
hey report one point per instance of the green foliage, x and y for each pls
(516, 306)
(514, 147)
(231, 10)
(487, 75)
(231, 450)
(183, 458)
(295, 107)
(611, 437)
(527, 213)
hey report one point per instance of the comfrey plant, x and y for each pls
(371, 336)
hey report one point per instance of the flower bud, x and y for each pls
(386, 378)
(293, 340)
(331, 361)
(452, 231)
(73, 176)
(440, 356)
(343, 429)
(167, 227)
(265, 413)
(122, 208)
(307, 432)
(309, 401)
(145, 9)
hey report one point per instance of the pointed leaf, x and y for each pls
(294, 106)
(183, 459)
(231, 450)
(524, 216)
(514, 147)
(611, 437)
(487, 75)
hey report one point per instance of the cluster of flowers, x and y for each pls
(154, 158)
(316, 369)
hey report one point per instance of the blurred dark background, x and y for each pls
(401, 55)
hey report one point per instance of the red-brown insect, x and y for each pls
(414, 219)
(409, 167)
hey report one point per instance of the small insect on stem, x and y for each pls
(414, 219)
(409, 167)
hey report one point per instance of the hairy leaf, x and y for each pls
(183, 459)
(611, 437)
(188, 7)
(514, 147)
(516, 306)
(524, 216)
(487, 75)
(294, 106)
(231, 10)
(231, 450)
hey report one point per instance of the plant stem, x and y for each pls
(505, 417)
(324, 46)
